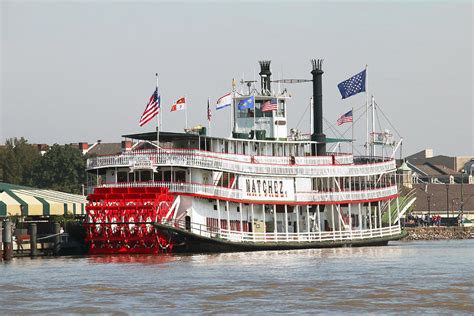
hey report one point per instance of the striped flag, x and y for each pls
(151, 109)
(224, 101)
(179, 105)
(269, 105)
(209, 114)
(345, 118)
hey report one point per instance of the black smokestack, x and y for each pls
(318, 134)
(265, 75)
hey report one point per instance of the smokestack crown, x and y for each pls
(265, 75)
(265, 67)
(317, 66)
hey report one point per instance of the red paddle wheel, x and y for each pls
(120, 220)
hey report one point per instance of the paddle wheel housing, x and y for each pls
(120, 220)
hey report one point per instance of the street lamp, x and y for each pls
(447, 204)
(462, 192)
(428, 198)
(452, 205)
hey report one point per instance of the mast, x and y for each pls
(311, 123)
(254, 118)
(209, 114)
(232, 108)
(352, 142)
(373, 126)
(185, 112)
(158, 116)
(366, 110)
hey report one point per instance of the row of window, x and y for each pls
(357, 183)
(257, 111)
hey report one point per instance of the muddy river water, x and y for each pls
(402, 278)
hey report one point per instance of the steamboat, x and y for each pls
(258, 189)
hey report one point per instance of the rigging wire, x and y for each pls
(357, 119)
(384, 150)
(342, 135)
(391, 125)
(331, 127)
(306, 110)
(378, 118)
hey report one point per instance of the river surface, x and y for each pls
(402, 278)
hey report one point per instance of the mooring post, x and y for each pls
(1, 240)
(7, 240)
(57, 239)
(33, 233)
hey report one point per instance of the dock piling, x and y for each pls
(7, 240)
(1, 240)
(57, 238)
(33, 233)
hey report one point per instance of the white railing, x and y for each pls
(346, 195)
(215, 161)
(282, 237)
(227, 193)
(344, 159)
(183, 187)
(341, 235)
(306, 160)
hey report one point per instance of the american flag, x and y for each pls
(209, 114)
(151, 109)
(346, 118)
(269, 105)
(353, 85)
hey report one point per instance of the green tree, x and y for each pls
(17, 160)
(61, 168)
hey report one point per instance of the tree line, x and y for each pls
(61, 168)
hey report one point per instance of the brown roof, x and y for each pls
(442, 169)
(436, 169)
(437, 194)
(102, 149)
(427, 170)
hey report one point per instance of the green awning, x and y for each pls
(26, 201)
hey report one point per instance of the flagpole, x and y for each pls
(232, 108)
(254, 110)
(161, 117)
(158, 116)
(311, 115)
(208, 119)
(367, 110)
(352, 131)
(254, 119)
(185, 112)
(373, 126)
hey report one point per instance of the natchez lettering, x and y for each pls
(264, 187)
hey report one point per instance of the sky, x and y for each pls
(83, 71)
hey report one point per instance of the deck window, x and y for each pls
(122, 177)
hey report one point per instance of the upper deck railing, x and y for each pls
(340, 165)
(213, 191)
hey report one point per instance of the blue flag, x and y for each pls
(248, 103)
(353, 85)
